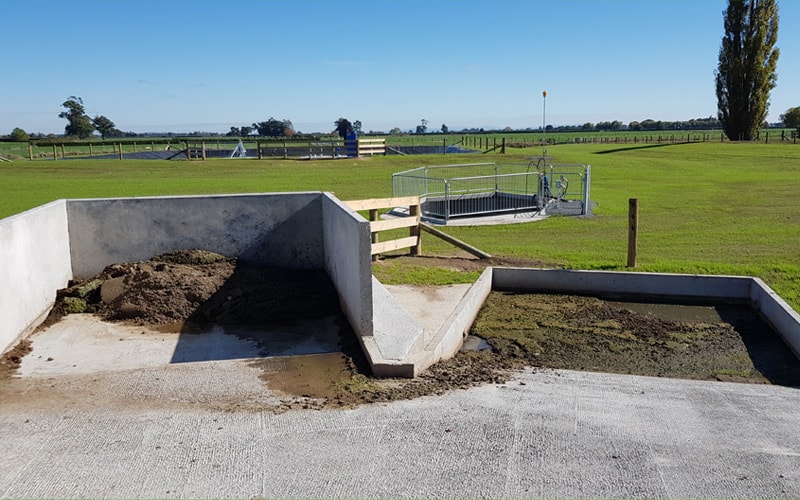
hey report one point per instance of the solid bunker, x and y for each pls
(43, 248)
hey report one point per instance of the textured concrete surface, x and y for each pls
(548, 434)
(151, 427)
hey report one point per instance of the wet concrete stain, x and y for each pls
(309, 376)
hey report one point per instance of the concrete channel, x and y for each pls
(546, 433)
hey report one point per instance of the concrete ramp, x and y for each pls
(417, 326)
(396, 335)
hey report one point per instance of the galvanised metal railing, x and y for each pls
(447, 191)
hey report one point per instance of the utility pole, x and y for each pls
(544, 137)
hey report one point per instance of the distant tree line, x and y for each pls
(80, 126)
(709, 123)
(284, 128)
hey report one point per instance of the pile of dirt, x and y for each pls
(198, 287)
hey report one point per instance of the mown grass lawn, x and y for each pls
(703, 207)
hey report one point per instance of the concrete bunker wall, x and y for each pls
(34, 263)
(281, 230)
(347, 260)
(43, 248)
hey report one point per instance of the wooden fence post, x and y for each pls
(633, 230)
(414, 211)
(373, 216)
(55, 152)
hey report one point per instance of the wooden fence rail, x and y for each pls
(412, 241)
(371, 147)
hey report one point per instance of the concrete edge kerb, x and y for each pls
(396, 332)
(663, 285)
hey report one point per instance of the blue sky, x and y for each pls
(198, 65)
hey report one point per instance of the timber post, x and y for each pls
(633, 230)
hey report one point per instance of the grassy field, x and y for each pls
(718, 208)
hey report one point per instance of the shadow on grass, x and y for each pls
(646, 146)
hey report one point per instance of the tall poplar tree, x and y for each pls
(747, 61)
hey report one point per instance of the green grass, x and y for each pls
(718, 208)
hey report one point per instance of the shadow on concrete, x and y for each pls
(263, 312)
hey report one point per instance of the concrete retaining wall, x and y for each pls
(41, 249)
(781, 316)
(281, 230)
(34, 252)
(346, 243)
(612, 283)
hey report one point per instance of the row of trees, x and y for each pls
(284, 128)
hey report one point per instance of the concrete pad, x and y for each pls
(82, 344)
(543, 434)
